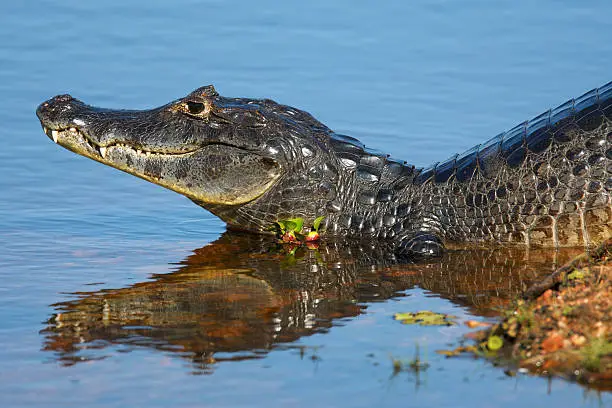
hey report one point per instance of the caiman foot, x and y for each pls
(420, 245)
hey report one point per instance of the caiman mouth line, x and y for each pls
(135, 161)
(102, 150)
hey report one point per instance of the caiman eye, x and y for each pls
(195, 108)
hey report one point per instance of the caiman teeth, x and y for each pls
(103, 150)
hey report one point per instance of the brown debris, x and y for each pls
(472, 324)
(563, 324)
(552, 343)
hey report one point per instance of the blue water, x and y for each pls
(421, 80)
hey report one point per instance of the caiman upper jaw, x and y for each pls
(67, 121)
(66, 116)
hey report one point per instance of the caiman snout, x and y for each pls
(58, 113)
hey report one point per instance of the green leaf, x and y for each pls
(317, 223)
(576, 275)
(295, 224)
(300, 224)
(495, 343)
(282, 225)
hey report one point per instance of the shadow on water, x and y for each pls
(244, 295)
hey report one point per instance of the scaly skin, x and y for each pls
(252, 162)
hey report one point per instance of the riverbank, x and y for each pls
(561, 326)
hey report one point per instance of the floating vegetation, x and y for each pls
(425, 318)
(414, 365)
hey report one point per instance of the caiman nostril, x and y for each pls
(63, 98)
(58, 108)
(42, 109)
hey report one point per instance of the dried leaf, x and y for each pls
(448, 353)
(552, 343)
(472, 324)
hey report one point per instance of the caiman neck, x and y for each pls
(375, 191)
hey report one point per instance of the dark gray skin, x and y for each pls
(253, 162)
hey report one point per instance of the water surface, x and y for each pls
(116, 292)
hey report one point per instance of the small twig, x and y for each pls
(559, 276)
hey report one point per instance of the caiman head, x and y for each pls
(245, 160)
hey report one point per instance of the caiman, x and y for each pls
(253, 162)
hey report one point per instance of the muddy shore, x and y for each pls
(561, 326)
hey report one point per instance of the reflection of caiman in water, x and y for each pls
(236, 295)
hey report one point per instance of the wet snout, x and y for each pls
(60, 108)
(59, 113)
